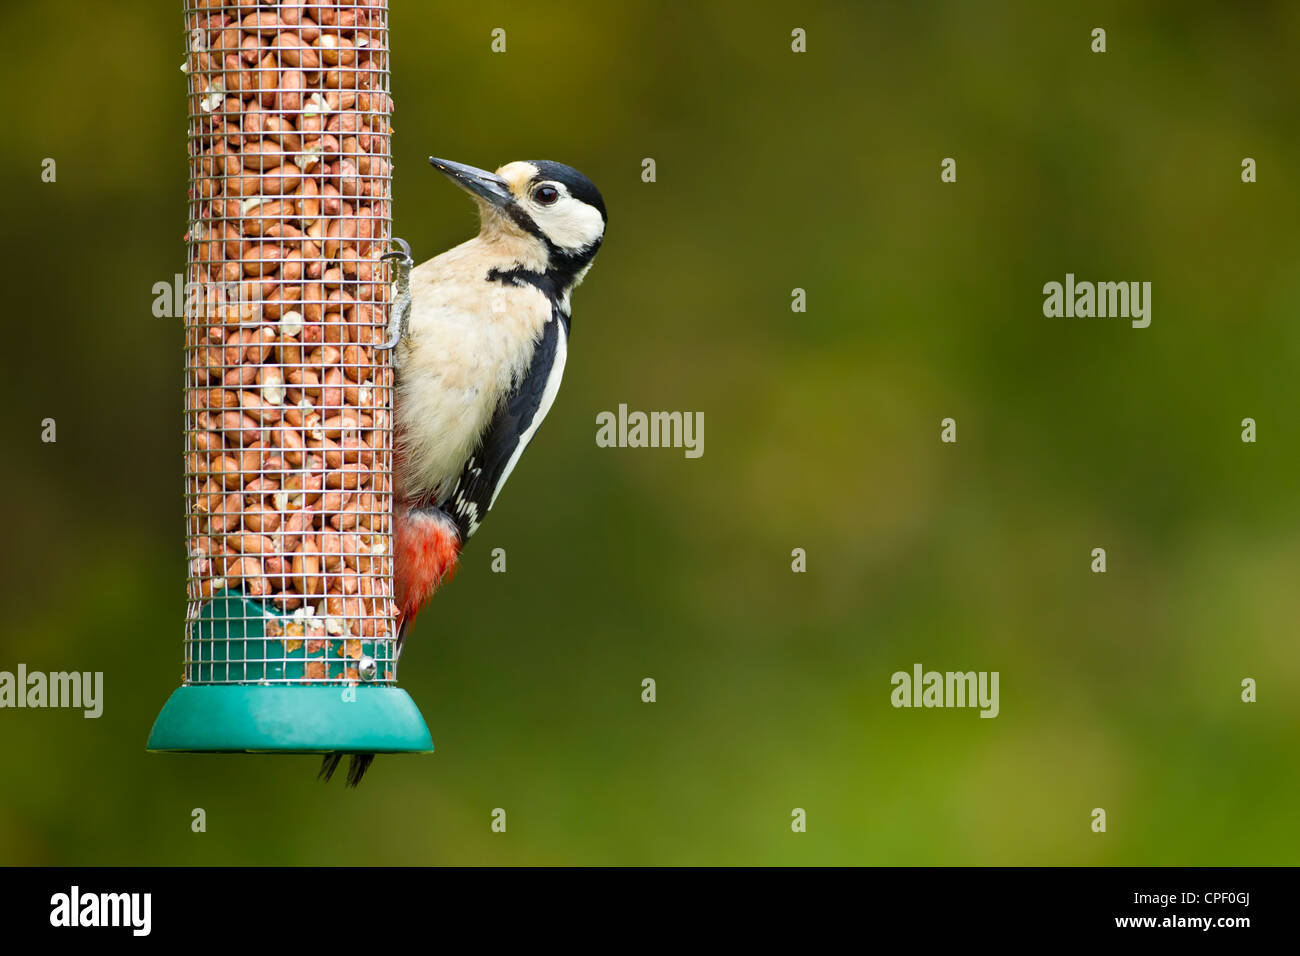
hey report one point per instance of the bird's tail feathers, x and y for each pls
(357, 767)
(328, 765)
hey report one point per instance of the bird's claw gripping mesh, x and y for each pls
(402, 295)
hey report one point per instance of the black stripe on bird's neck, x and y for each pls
(562, 265)
(558, 279)
(565, 266)
(520, 276)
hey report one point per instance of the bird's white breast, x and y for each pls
(469, 341)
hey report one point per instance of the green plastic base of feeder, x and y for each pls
(208, 718)
(239, 642)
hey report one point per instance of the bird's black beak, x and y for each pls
(478, 181)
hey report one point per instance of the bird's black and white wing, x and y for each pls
(513, 426)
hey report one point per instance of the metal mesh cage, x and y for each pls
(289, 386)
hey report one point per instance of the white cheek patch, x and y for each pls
(570, 224)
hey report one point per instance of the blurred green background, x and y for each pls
(775, 170)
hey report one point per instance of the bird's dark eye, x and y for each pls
(546, 195)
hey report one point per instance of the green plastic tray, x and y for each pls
(230, 708)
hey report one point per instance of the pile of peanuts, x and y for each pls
(288, 413)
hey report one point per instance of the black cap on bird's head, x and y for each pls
(548, 200)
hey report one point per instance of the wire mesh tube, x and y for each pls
(288, 414)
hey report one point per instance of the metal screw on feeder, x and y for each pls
(289, 387)
(368, 667)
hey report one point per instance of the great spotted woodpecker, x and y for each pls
(481, 364)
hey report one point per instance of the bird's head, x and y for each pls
(544, 203)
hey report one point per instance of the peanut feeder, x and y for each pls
(290, 642)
